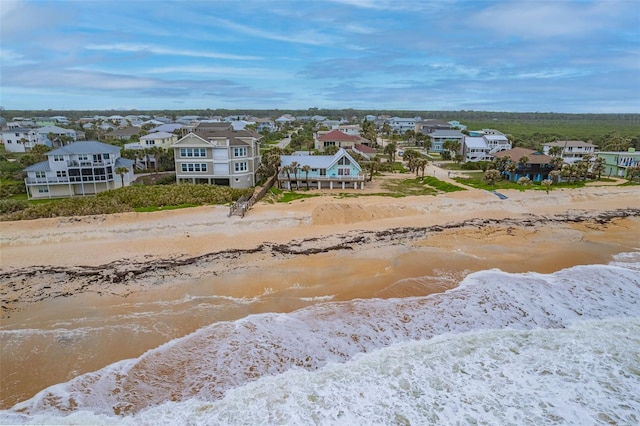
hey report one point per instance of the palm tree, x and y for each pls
(546, 183)
(511, 167)
(294, 168)
(449, 146)
(422, 164)
(598, 166)
(554, 174)
(491, 176)
(569, 171)
(386, 129)
(390, 149)
(556, 162)
(122, 171)
(555, 151)
(306, 169)
(523, 161)
(373, 166)
(331, 150)
(287, 171)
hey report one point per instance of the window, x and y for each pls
(105, 156)
(240, 152)
(344, 171)
(193, 152)
(241, 167)
(41, 174)
(323, 172)
(43, 189)
(58, 158)
(61, 173)
(194, 167)
(344, 161)
(83, 157)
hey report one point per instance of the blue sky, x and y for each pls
(547, 56)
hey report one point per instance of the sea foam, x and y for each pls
(214, 365)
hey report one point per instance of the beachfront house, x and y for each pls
(536, 167)
(320, 171)
(570, 151)
(482, 147)
(616, 163)
(78, 169)
(219, 157)
(439, 137)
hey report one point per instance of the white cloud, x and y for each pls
(545, 19)
(9, 57)
(309, 37)
(159, 50)
(257, 73)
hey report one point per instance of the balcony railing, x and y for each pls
(360, 177)
(88, 163)
(68, 179)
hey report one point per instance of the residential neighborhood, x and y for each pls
(318, 152)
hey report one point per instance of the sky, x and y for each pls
(515, 56)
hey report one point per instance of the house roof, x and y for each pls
(42, 166)
(170, 127)
(491, 137)
(475, 142)
(157, 135)
(572, 144)
(235, 137)
(337, 135)
(123, 162)
(515, 154)
(318, 161)
(85, 147)
(126, 131)
(366, 149)
(446, 133)
(55, 129)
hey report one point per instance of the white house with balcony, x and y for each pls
(218, 157)
(401, 125)
(571, 151)
(439, 137)
(20, 139)
(482, 146)
(78, 169)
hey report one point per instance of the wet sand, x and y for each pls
(96, 290)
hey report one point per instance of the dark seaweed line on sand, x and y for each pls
(124, 271)
(124, 268)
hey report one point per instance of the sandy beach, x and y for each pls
(346, 248)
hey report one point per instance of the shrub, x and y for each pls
(130, 198)
(10, 206)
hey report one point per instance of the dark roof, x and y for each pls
(366, 149)
(125, 131)
(515, 154)
(337, 135)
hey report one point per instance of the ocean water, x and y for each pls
(501, 348)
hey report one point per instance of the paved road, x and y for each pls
(284, 142)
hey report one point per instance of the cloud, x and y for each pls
(159, 50)
(548, 19)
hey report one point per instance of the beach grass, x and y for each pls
(479, 183)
